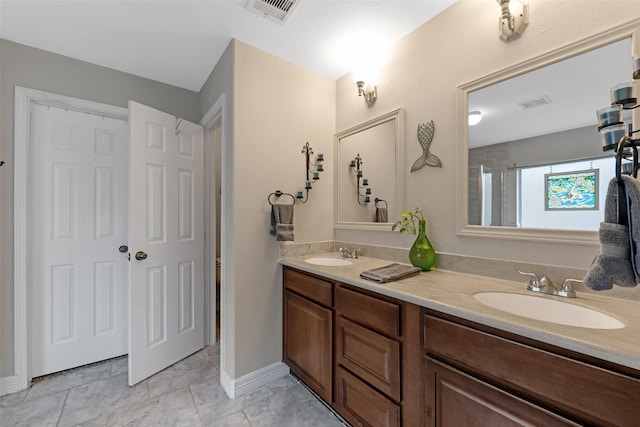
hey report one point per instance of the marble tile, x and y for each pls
(195, 369)
(175, 408)
(69, 379)
(237, 419)
(213, 403)
(293, 407)
(214, 353)
(282, 383)
(375, 251)
(291, 249)
(38, 411)
(119, 366)
(13, 399)
(186, 394)
(97, 400)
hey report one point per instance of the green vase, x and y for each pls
(422, 254)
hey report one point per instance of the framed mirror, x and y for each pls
(370, 173)
(516, 170)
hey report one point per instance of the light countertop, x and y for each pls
(452, 293)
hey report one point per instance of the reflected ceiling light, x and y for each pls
(474, 117)
(513, 20)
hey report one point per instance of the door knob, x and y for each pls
(122, 249)
(140, 255)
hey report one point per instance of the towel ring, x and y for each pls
(279, 193)
(381, 200)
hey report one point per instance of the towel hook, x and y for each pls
(278, 194)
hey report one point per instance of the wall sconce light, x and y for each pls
(474, 117)
(355, 165)
(365, 53)
(370, 95)
(513, 19)
(313, 171)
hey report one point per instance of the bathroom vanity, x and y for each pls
(422, 351)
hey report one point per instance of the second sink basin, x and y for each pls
(548, 310)
(334, 262)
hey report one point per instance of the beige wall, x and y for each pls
(278, 108)
(457, 46)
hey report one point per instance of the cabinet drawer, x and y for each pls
(318, 290)
(372, 312)
(371, 356)
(361, 405)
(570, 387)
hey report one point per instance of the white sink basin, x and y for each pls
(334, 262)
(548, 310)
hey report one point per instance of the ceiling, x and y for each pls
(179, 42)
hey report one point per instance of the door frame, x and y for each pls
(214, 118)
(25, 99)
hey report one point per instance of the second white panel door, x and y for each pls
(166, 236)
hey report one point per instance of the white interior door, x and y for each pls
(79, 208)
(166, 241)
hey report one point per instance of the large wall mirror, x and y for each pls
(370, 172)
(534, 167)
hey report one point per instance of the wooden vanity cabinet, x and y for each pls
(477, 376)
(308, 330)
(377, 359)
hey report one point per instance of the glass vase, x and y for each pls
(422, 254)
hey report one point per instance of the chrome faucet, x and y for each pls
(545, 286)
(349, 253)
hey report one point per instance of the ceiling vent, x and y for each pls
(274, 10)
(535, 102)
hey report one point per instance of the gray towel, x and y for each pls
(390, 272)
(382, 215)
(612, 264)
(632, 190)
(617, 261)
(282, 222)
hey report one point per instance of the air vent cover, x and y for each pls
(274, 10)
(536, 102)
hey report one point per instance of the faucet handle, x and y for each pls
(354, 253)
(344, 252)
(567, 288)
(534, 283)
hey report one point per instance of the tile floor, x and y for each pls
(186, 394)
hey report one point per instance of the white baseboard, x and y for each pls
(8, 385)
(253, 380)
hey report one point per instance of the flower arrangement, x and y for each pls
(407, 221)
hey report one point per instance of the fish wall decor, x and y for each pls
(425, 136)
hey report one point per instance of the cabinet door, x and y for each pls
(454, 399)
(308, 342)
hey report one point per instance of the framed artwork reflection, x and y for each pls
(577, 190)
